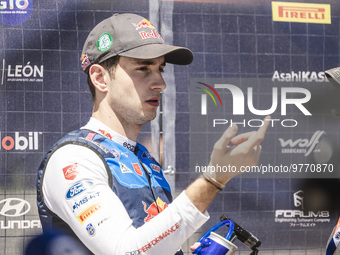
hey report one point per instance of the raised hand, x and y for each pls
(232, 152)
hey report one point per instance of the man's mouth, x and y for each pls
(153, 101)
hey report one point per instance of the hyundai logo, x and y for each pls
(14, 207)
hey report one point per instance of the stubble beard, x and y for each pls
(130, 117)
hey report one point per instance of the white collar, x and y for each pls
(100, 128)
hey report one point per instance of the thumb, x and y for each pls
(194, 246)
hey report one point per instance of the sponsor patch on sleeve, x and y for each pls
(88, 212)
(71, 171)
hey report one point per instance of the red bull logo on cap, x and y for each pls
(154, 209)
(85, 62)
(147, 35)
(142, 24)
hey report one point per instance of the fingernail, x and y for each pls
(233, 127)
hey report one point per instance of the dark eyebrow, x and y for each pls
(147, 62)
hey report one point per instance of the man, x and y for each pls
(97, 183)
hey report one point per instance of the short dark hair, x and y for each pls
(110, 65)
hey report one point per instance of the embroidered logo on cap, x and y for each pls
(104, 42)
(147, 35)
(143, 23)
(153, 34)
(85, 62)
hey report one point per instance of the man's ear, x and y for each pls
(97, 74)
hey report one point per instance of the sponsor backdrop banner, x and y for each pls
(251, 60)
(303, 131)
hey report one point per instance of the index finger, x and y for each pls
(257, 137)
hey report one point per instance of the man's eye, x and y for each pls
(143, 68)
(161, 69)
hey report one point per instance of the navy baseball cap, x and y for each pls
(129, 35)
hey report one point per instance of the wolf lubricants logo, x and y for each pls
(301, 12)
(301, 145)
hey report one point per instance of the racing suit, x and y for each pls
(108, 191)
(333, 244)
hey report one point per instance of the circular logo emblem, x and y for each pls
(104, 42)
(90, 229)
(14, 207)
(14, 13)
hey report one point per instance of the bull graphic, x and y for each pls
(154, 209)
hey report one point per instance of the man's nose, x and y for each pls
(159, 82)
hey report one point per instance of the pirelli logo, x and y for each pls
(88, 212)
(301, 12)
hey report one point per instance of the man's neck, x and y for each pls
(117, 125)
(99, 127)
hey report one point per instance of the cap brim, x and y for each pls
(173, 54)
(333, 76)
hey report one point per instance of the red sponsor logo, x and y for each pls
(155, 168)
(88, 212)
(137, 169)
(159, 238)
(301, 12)
(85, 62)
(90, 136)
(71, 171)
(154, 209)
(19, 142)
(105, 133)
(152, 34)
(144, 23)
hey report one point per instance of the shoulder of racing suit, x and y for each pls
(136, 178)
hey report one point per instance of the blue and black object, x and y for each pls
(214, 244)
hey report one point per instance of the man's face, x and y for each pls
(135, 91)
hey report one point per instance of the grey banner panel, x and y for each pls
(259, 57)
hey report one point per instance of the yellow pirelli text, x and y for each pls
(88, 212)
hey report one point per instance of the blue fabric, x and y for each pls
(143, 195)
